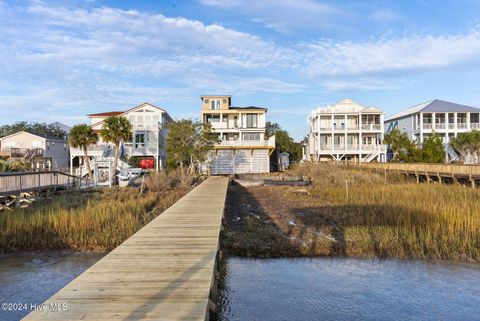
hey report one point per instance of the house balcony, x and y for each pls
(442, 126)
(141, 149)
(371, 127)
(15, 152)
(270, 143)
(92, 150)
(351, 148)
(148, 126)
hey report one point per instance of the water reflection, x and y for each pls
(34, 277)
(348, 289)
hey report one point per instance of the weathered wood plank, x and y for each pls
(163, 272)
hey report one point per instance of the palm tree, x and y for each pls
(82, 136)
(398, 142)
(115, 130)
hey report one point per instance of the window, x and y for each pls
(207, 101)
(251, 136)
(235, 121)
(215, 104)
(252, 120)
(213, 118)
(139, 140)
(225, 118)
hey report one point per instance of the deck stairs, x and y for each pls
(451, 154)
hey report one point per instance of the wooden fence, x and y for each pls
(15, 183)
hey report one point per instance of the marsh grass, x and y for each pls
(83, 221)
(392, 217)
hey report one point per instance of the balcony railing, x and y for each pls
(239, 143)
(141, 150)
(373, 127)
(91, 150)
(16, 152)
(451, 126)
(352, 147)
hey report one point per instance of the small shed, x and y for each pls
(284, 161)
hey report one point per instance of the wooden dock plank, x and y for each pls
(163, 272)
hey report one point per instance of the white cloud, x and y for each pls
(67, 60)
(361, 84)
(330, 58)
(281, 15)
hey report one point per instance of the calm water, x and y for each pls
(34, 277)
(348, 289)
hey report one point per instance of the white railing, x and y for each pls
(255, 143)
(427, 126)
(461, 125)
(154, 125)
(474, 125)
(353, 147)
(440, 125)
(148, 150)
(371, 127)
(93, 149)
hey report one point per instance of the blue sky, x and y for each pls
(60, 60)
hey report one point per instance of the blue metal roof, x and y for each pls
(441, 106)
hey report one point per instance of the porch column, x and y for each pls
(421, 128)
(434, 121)
(455, 125)
(71, 165)
(318, 134)
(468, 121)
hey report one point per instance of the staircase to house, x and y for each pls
(370, 156)
(451, 154)
(107, 155)
(376, 151)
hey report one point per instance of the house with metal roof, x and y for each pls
(244, 147)
(346, 130)
(445, 118)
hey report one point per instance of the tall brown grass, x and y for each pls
(390, 217)
(84, 221)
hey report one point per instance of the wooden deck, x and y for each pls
(163, 272)
(437, 172)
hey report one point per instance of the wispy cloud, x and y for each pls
(67, 60)
(419, 52)
(281, 15)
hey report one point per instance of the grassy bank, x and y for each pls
(98, 220)
(396, 218)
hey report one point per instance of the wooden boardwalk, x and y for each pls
(163, 272)
(430, 172)
(16, 183)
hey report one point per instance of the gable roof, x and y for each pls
(434, 106)
(249, 107)
(131, 109)
(106, 114)
(35, 135)
(346, 106)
